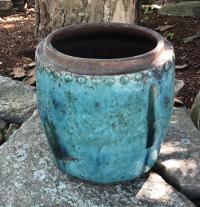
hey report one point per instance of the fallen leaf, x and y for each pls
(33, 64)
(28, 59)
(191, 38)
(30, 65)
(183, 57)
(181, 66)
(163, 28)
(31, 80)
(18, 72)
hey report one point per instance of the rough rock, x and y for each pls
(12, 128)
(28, 177)
(178, 86)
(195, 111)
(17, 102)
(179, 161)
(5, 5)
(186, 8)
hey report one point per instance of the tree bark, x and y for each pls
(51, 14)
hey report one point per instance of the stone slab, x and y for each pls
(17, 100)
(179, 160)
(186, 8)
(29, 178)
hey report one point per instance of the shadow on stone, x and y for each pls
(28, 177)
(179, 162)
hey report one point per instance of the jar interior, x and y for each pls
(103, 42)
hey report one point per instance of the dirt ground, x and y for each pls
(17, 45)
(187, 54)
(17, 41)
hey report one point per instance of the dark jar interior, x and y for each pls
(109, 43)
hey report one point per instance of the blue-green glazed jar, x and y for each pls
(105, 97)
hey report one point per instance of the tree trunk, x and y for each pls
(53, 14)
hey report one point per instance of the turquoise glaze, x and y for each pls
(105, 128)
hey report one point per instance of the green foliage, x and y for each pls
(148, 10)
(170, 35)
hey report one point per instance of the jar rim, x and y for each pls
(112, 66)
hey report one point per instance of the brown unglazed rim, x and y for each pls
(91, 66)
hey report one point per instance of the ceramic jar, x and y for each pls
(105, 96)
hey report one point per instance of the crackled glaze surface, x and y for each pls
(106, 128)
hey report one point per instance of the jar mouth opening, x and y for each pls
(103, 48)
(103, 42)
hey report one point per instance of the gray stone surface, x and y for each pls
(5, 5)
(178, 86)
(179, 160)
(17, 100)
(29, 178)
(195, 111)
(186, 8)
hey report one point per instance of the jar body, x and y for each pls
(105, 128)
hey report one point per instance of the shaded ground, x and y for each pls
(186, 53)
(17, 44)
